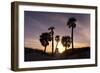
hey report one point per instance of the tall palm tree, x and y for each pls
(44, 39)
(66, 41)
(57, 39)
(71, 23)
(52, 37)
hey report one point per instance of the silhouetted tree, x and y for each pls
(66, 41)
(57, 39)
(52, 36)
(71, 23)
(44, 39)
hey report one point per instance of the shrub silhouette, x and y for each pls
(66, 41)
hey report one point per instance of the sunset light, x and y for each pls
(61, 48)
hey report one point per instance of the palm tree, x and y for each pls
(44, 39)
(52, 35)
(71, 23)
(57, 39)
(66, 41)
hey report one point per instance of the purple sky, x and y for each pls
(39, 22)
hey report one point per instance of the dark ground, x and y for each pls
(38, 55)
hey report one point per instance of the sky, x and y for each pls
(36, 23)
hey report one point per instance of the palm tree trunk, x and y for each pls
(52, 43)
(65, 48)
(56, 47)
(72, 39)
(45, 49)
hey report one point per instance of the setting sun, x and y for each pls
(60, 48)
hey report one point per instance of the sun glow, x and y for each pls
(60, 47)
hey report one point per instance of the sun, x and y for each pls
(60, 47)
